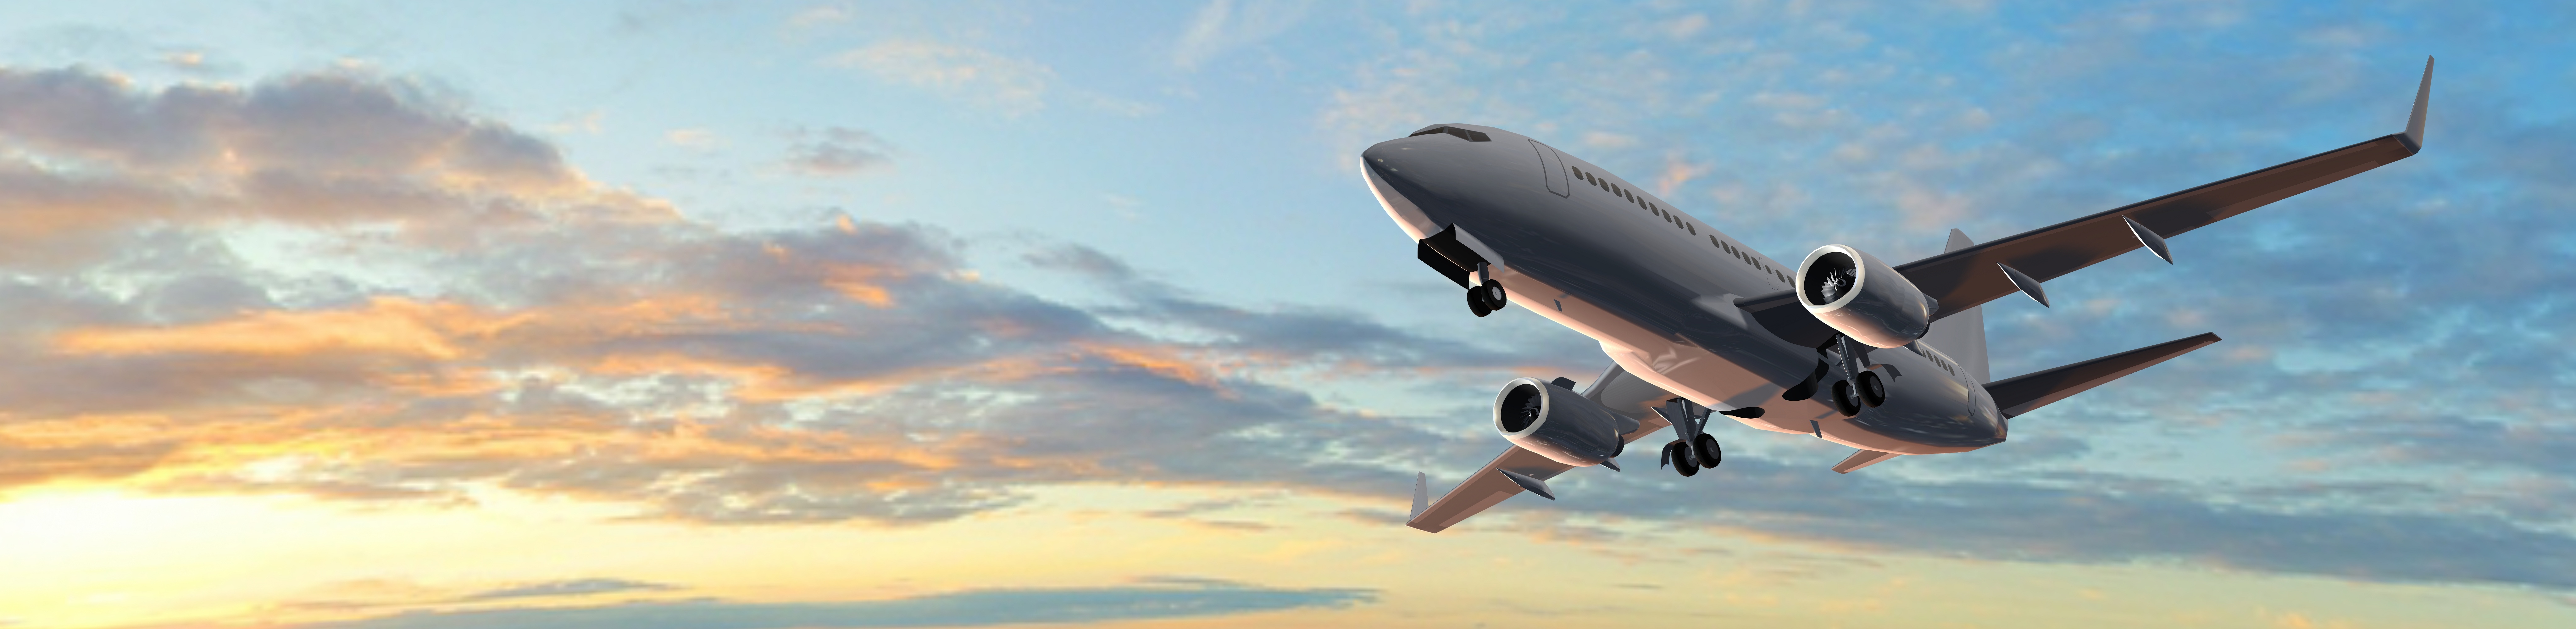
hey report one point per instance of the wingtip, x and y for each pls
(2423, 97)
(1421, 495)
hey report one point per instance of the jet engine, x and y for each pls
(1559, 424)
(1862, 297)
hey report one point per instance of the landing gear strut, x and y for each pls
(1693, 448)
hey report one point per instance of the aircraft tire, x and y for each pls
(1873, 391)
(1476, 303)
(1679, 452)
(1709, 454)
(1843, 401)
(1495, 297)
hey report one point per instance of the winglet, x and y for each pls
(2423, 96)
(1421, 495)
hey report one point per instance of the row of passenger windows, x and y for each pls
(1937, 359)
(1669, 217)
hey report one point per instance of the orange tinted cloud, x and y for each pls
(387, 325)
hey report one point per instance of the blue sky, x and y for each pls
(930, 266)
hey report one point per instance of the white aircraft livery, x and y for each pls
(1887, 359)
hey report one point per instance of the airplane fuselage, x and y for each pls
(1657, 288)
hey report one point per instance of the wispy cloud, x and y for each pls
(838, 152)
(1224, 25)
(1010, 85)
(573, 587)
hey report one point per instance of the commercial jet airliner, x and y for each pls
(1887, 359)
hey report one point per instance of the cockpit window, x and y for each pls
(1470, 135)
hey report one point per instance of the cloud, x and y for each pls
(973, 608)
(574, 587)
(843, 371)
(1009, 85)
(1224, 25)
(700, 139)
(332, 149)
(839, 152)
(821, 15)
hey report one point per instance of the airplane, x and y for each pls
(1887, 359)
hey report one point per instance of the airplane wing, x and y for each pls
(1967, 277)
(1616, 389)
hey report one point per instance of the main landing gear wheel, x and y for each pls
(1843, 401)
(1706, 447)
(1476, 303)
(1873, 391)
(1679, 454)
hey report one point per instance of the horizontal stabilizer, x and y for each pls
(2022, 394)
(1861, 459)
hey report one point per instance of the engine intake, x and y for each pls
(1863, 298)
(1559, 424)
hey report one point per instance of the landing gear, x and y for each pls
(1873, 391)
(1486, 298)
(1706, 447)
(1844, 401)
(1693, 449)
(1679, 454)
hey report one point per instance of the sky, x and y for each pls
(766, 315)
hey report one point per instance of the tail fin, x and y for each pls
(1962, 336)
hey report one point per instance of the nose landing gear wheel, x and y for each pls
(1873, 391)
(1709, 454)
(1485, 299)
(1843, 401)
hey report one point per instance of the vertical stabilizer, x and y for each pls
(1962, 336)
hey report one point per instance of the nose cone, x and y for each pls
(1389, 160)
(1444, 173)
(1420, 165)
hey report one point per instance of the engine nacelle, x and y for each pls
(1862, 297)
(1559, 424)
